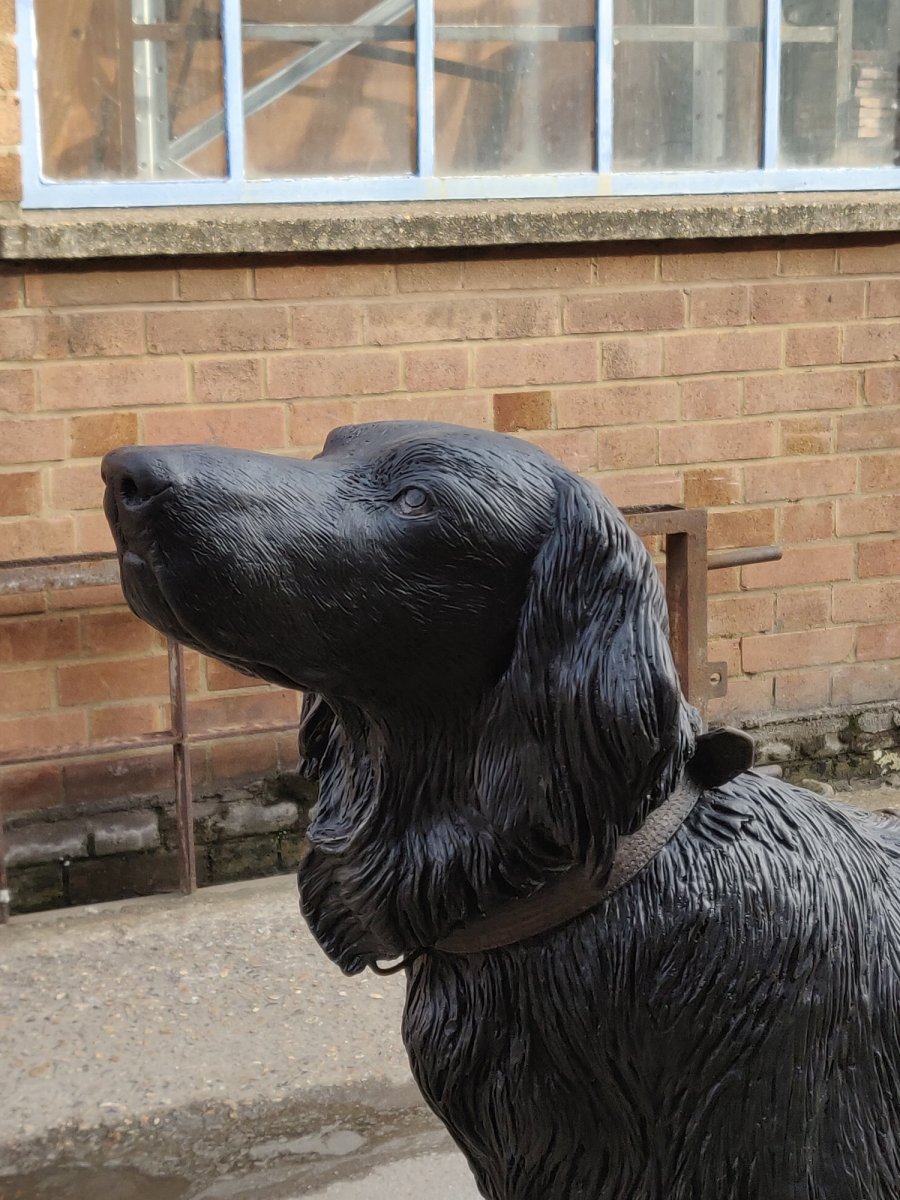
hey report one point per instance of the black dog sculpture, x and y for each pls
(712, 1014)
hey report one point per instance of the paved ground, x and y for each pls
(208, 1043)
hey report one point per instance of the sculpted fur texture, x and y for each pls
(490, 704)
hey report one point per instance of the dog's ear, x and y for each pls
(317, 722)
(588, 729)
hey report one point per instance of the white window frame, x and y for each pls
(423, 184)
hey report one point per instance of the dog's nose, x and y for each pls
(136, 476)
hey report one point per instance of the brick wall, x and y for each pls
(756, 379)
(10, 173)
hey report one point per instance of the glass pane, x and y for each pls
(688, 84)
(514, 86)
(119, 81)
(839, 64)
(330, 87)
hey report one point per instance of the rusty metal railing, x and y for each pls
(688, 560)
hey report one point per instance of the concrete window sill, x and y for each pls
(281, 229)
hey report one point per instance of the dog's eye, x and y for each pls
(413, 502)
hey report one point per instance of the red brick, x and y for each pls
(404, 322)
(104, 334)
(814, 346)
(625, 449)
(806, 435)
(474, 410)
(753, 697)
(43, 731)
(865, 602)
(574, 448)
(321, 326)
(802, 691)
(879, 472)
(710, 353)
(20, 493)
(217, 330)
(10, 120)
(807, 522)
(92, 436)
(92, 533)
(240, 759)
(22, 604)
(627, 488)
(867, 514)
(125, 720)
(712, 487)
(215, 282)
(31, 336)
(724, 582)
(802, 565)
(625, 265)
(561, 361)
(39, 639)
(32, 440)
(311, 421)
(882, 386)
(877, 429)
(873, 341)
(429, 276)
(10, 284)
(106, 595)
(717, 441)
(803, 608)
(623, 312)
(270, 705)
(324, 279)
(781, 651)
(36, 538)
(17, 392)
(8, 72)
(220, 678)
(790, 391)
(442, 369)
(119, 679)
(514, 411)
(75, 487)
(807, 259)
(254, 426)
(10, 175)
(26, 691)
(734, 616)
(878, 641)
(861, 683)
(787, 303)
(797, 480)
(884, 298)
(720, 306)
(706, 261)
(631, 357)
(881, 557)
(88, 285)
(622, 404)
(709, 399)
(728, 651)
(113, 384)
(741, 527)
(530, 271)
(93, 782)
(527, 316)
(228, 380)
(880, 256)
(30, 789)
(340, 373)
(118, 633)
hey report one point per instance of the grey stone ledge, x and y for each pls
(123, 832)
(47, 843)
(286, 229)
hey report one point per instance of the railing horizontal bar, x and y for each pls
(719, 560)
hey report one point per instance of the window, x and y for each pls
(206, 101)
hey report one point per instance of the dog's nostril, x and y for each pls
(129, 490)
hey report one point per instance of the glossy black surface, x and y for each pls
(491, 698)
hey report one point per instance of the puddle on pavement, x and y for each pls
(274, 1153)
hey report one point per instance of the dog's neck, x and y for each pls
(401, 850)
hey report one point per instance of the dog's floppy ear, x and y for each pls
(588, 729)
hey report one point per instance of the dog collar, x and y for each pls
(720, 755)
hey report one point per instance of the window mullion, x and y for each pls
(605, 54)
(233, 67)
(425, 86)
(772, 86)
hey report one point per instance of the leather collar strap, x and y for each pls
(575, 892)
